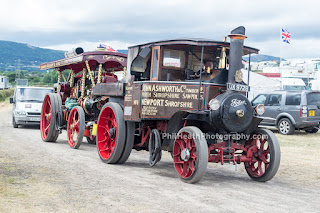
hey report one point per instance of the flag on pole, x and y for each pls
(285, 36)
(108, 48)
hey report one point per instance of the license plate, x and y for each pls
(237, 87)
(311, 113)
(34, 119)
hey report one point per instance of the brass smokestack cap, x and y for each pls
(237, 36)
(238, 33)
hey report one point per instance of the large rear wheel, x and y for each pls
(129, 142)
(111, 133)
(75, 127)
(266, 157)
(190, 154)
(58, 114)
(48, 119)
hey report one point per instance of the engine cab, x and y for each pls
(171, 76)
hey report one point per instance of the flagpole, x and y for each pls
(280, 59)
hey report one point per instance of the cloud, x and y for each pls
(90, 46)
(54, 23)
(297, 49)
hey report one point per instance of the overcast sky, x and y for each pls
(64, 24)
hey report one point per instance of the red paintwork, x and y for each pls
(184, 168)
(252, 153)
(65, 91)
(87, 133)
(45, 124)
(77, 63)
(74, 120)
(260, 159)
(271, 75)
(146, 130)
(105, 143)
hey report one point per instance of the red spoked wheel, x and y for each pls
(190, 154)
(75, 127)
(266, 156)
(48, 119)
(111, 133)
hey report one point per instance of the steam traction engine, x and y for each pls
(79, 98)
(180, 96)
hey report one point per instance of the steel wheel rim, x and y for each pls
(73, 127)
(46, 117)
(261, 159)
(185, 167)
(106, 133)
(284, 127)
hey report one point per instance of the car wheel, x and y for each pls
(15, 125)
(285, 126)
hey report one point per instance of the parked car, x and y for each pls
(27, 104)
(291, 110)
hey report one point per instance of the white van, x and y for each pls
(27, 104)
(293, 84)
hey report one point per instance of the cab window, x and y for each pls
(155, 63)
(174, 59)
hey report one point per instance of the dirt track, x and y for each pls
(50, 177)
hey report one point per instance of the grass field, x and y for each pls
(299, 157)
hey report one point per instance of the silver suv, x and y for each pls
(27, 104)
(291, 110)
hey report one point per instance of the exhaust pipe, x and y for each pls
(237, 37)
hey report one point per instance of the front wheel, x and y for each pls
(15, 125)
(266, 156)
(75, 127)
(111, 133)
(49, 110)
(190, 154)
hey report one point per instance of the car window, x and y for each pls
(260, 99)
(294, 87)
(313, 98)
(32, 94)
(293, 99)
(274, 100)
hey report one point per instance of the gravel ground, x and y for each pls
(50, 177)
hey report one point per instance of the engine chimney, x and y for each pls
(237, 37)
(73, 52)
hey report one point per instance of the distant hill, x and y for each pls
(29, 57)
(259, 57)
